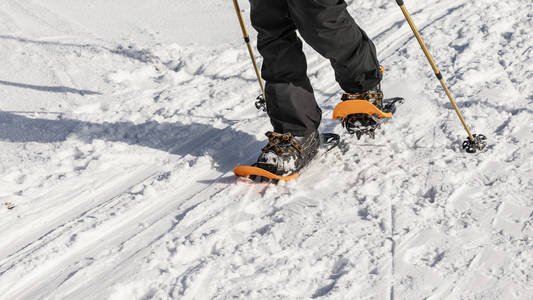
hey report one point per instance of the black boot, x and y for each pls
(286, 154)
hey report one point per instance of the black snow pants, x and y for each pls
(328, 28)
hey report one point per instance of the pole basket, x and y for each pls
(477, 144)
(260, 103)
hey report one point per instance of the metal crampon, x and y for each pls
(361, 124)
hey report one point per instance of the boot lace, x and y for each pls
(282, 143)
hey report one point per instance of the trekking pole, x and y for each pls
(261, 99)
(475, 141)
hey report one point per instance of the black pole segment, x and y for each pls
(400, 2)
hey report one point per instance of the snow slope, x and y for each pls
(120, 123)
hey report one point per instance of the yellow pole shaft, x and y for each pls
(435, 69)
(250, 49)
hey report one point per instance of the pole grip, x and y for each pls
(400, 2)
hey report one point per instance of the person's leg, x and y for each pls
(291, 104)
(327, 26)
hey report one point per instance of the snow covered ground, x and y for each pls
(121, 121)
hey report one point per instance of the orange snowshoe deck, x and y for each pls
(350, 107)
(247, 171)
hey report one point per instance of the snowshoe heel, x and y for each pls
(254, 173)
(361, 114)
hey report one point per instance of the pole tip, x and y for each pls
(477, 144)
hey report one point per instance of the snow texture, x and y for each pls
(121, 121)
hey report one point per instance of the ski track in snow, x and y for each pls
(117, 157)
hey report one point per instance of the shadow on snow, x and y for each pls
(50, 89)
(226, 146)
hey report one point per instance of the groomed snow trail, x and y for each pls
(119, 129)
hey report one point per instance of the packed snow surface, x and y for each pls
(121, 121)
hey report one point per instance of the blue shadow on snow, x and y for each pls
(226, 146)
